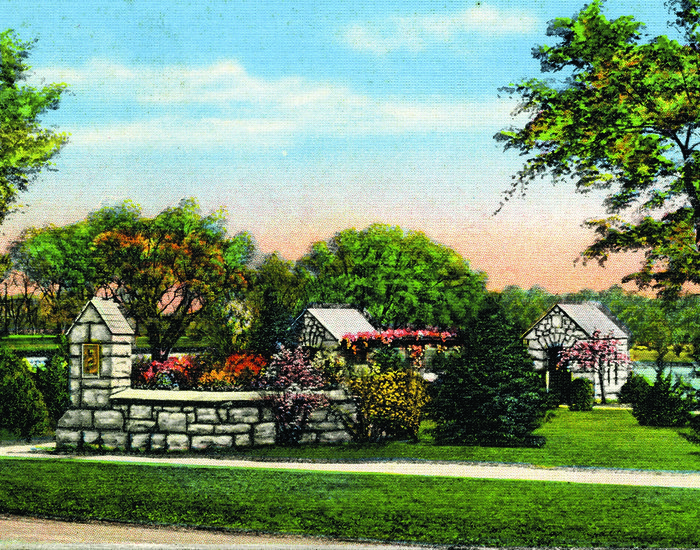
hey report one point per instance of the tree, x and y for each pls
(624, 118)
(61, 261)
(168, 270)
(488, 392)
(597, 355)
(401, 278)
(524, 307)
(26, 147)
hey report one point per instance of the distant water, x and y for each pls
(685, 370)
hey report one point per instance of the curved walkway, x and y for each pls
(648, 478)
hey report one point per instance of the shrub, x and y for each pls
(487, 392)
(663, 403)
(581, 395)
(22, 408)
(291, 376)
(386, 359)
(332, 366)
(389, 405)
(244, 367)
(52, 381)
(173, 373)
(633, 390)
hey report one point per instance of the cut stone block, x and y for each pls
(177, 442)
(108, 420)
(172, 422)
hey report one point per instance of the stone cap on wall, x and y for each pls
(192, 396)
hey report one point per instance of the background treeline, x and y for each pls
(180, 273)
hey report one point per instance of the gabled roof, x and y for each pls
(339, 321)
(592, 316)
(110, 314)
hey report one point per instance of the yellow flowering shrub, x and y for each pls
(388, 405)
(218, 379)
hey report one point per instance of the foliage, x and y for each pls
(173, 373)
(188, 372)
(633, 390)
(625, 119)
(664, 403)
(401, 278)
(22, 408)
(389, 405)
(599, 355)
(291, 380)
(168, 270)
(487, 392)
(331, 365)
(26, 147)
(52, 382)
(581, 395)
(245, 367)
(397, 337)
(523, 308)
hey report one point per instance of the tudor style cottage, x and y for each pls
(324, 325)
(561, 327)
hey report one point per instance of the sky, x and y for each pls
(302, 119)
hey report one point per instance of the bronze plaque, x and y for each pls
(91, 359)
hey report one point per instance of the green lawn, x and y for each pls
(600, 438)
(356, 506)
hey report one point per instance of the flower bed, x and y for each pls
(189, 372)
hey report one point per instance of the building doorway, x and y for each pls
(558, 379)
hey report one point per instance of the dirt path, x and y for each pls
(23, 532)
(606, 476)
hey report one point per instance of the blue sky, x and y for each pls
(305, 118)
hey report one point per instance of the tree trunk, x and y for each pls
(601, 381)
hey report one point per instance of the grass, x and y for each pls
(600, 438)
(641, 353)
(401, 508)
(32, 343)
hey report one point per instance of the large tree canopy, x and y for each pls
(400, 277)
(625, 117)
(165, 271)
(25, 146)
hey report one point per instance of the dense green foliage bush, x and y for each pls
(664, 403)
(52, 381)
(633, 389)
(581, 395)
(487, 392)
(22, 408)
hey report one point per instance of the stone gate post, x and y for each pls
(100, 342)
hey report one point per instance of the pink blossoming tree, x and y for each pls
(597, 355)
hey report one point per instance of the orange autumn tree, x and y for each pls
(166, 271)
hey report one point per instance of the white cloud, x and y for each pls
(415, 33)
(223, 105)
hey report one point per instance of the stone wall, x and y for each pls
(162, 420)
(107, 413)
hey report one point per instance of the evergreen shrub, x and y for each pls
(22, 408)
(664, 403)
(581, 395)
(487, 392)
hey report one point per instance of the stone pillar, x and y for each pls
(100, 365)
